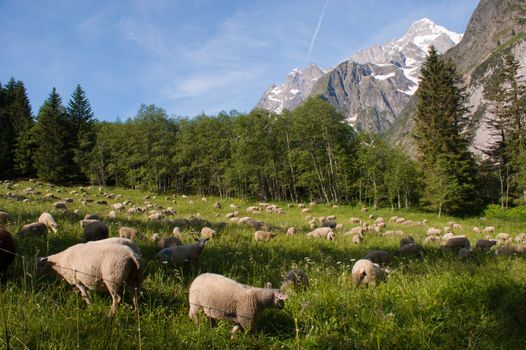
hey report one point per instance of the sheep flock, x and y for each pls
(219, 259)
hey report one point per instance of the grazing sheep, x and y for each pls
(253, 210)
(329, 223)
(465, 253)
(476, 229)
(92, 217)
(207, 232)
(456, 242)
(456, 226)
(60, 205)
(431, 239)
(95, 231)
(166, 242)
(47, 219)
(305, 210)
(380, 257)
(155, 216)
(489, 229)
(7, 251)
(503, 237)
(4, 218)
(99, 267)
(112, 214)
(117, 206)
(263, 235)
(131, 233)
(357, 239)
(355, 221)
(509, 250)
(410, 249)
(367, 273)
(296, 279)
(485, 244)
(222, 298)
(322, 232)
(400, 221)
(521, 237)
(216, 205)
(178, 255)
(35, 229)
(291, 231)
(393, 219)
(406, 240)
(433, 231)
(119, 240)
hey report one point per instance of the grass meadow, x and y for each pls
(438, 301)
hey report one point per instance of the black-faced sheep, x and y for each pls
(35, 229)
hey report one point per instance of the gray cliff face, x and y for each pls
(293, 91)
(373, 86)
(495, 28)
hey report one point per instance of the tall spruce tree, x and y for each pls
(83, 136)
(7, 135)
(53, 158)
(16, 122)
(507, 124)
(440, 132)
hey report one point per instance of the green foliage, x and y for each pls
(16, 122)
(54, 155)
(81, 122)
(441, 122)
(438, 302)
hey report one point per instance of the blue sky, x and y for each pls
(191, 56)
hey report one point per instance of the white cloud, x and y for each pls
(200, 84)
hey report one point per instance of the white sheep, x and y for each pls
(49, 221)
(291, 231)
(178, 255)
(489, 229)
(119, 240)
(264, 235)
(476, 229)
(222, 298)
(367, 273)
(99, 267)
(207, 232)
(433, 231)
(322, 232)
(131, 233)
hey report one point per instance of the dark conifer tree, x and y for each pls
(53, 157)
(440, 132)
(82, 139)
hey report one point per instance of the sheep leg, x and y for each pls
(212, 322)
(84, 293)
(194, 312)
(245, 323)
(116, 299)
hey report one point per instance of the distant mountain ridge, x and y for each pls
(371, 88)
(494, 29)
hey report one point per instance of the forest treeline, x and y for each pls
(310, 153)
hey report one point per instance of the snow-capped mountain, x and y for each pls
(409, 52)
(374, 85)
(293, 91)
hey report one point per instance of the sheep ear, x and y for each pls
(196, 239)
(268, 285)
(281, 296)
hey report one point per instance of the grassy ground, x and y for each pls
(434, 302)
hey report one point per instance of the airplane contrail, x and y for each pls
(316, 32)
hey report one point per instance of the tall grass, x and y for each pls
(434, 302)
